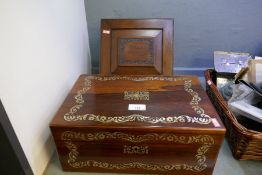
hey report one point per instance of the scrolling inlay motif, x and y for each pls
(201, 117)
(200, 165)
(135, 149)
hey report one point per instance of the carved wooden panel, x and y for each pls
(133, 51)
(141, 46)
(136, 51)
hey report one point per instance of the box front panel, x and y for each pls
(138, 152)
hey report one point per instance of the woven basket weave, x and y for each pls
(245, 144)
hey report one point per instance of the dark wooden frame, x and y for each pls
(166, 25)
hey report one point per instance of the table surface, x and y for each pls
(225, 165)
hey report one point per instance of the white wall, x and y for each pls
(43, 49)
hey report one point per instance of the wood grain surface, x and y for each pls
(179, 132)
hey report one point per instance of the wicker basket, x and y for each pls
(245, 139)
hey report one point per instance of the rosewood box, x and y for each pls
(138, 124)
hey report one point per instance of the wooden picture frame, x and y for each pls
(136, 46)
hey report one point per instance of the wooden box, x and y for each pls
(136, 46)
(138, 124)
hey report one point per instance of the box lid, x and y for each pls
(169, 102)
